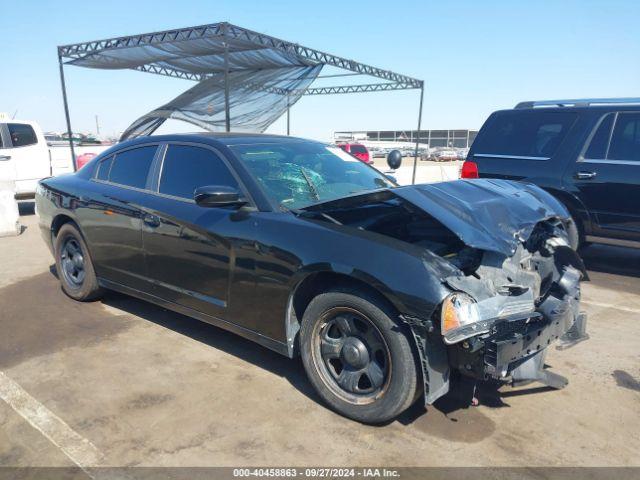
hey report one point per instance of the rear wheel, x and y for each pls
(358, 359)
(74, 266)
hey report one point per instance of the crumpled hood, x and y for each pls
(487, 214)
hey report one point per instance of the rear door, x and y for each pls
(523, 144)
(607, 176)
(113, 221)
(189, 249)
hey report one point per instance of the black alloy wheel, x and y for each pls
(358, 355)
(351, 355)
(72, 262)
(74, 266)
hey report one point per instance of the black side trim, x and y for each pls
(275, 345)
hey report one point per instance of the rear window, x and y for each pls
(21, 134)
(600, 140)
(527, 134)
(358, 149)
(103, 168)
(625, 140)
(131, 167)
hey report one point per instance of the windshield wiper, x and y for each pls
(312, 187)
(312, 214)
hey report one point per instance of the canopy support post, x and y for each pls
(66, 112)
(288, 115)
(415, 158)
(227, 109)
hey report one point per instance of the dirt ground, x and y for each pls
(120, 382)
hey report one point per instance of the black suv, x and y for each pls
(584, 152)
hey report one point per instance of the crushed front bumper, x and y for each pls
(515, 348)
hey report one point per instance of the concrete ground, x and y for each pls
(120, 382)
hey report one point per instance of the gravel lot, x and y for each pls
(125, 383)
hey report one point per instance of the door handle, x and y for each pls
(151, 220)
(4, 158)
(585, 175)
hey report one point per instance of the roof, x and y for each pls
(595, 109)
(606, 103)
(198, 53)
(246, 80)
(216, 138)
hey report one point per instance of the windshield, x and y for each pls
(300, 174)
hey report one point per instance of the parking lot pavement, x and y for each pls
(426, 171)
(121, 382)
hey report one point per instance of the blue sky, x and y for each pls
(474, 56)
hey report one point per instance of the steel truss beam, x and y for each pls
(172, 72)
(372, 87)
(80, 50)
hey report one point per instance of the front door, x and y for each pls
(607, 176)
(190, 250)
(29, 155)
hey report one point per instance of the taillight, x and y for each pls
(469, 170)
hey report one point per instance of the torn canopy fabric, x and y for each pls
(257, 98)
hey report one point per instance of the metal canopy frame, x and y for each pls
(253, 41)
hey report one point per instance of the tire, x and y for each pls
(74, 266)
(355, 328)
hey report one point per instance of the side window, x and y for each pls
(131, 167)
(625, 140)
(103, 168)
(186, 168)
(598, 147)
(524, 133)
(21, 134)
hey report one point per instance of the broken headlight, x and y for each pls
(461, 318)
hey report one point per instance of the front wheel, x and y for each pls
(74, 266)
(358, 359)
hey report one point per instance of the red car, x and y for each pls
(357, 150)
(83, 159)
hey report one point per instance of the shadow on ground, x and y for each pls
(217, 338)
(451, 417)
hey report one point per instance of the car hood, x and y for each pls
(493, 215)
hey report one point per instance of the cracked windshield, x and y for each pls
(300, 174)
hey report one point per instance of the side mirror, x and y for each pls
(394, 159)
(218, 196)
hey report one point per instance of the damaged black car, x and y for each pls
(386, 292)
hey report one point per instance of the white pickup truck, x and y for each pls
(26, 157)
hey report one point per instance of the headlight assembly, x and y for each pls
(461, 318)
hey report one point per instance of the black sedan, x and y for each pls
(384, 291)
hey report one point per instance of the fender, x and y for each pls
(292, 322)
(431, 349)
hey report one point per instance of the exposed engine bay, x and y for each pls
(509, 298)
